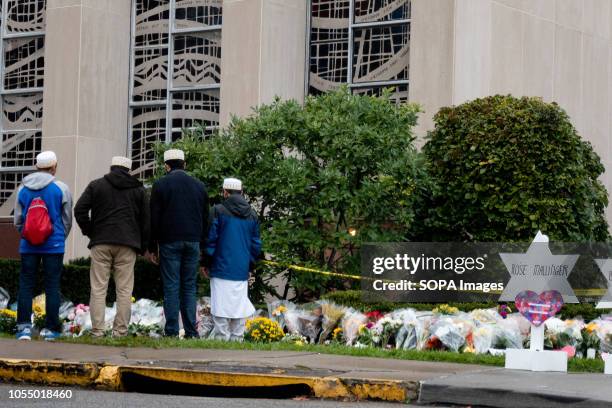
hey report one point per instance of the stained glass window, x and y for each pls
(362, 43)
(176, 73)
(22, 62)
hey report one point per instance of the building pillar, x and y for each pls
(263, 53)
(85, 92)
(431, 59)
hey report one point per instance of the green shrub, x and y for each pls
(75, 281)
(340, 163)
(505, 167)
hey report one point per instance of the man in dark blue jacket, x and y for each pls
(179, 222)
(234, 245)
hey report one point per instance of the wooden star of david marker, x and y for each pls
(605, 266)
(538, 270)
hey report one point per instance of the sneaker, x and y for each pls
(49, 335)
(24, 334)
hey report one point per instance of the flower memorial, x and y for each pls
(479, 331)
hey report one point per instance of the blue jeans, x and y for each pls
(52, 266)
(179, 262)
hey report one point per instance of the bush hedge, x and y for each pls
(505, 167)
(353, 298)
(325, 176)
(75, 281)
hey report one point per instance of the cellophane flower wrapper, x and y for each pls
(604, 332)
(350, 323)
(204, 319)
(147, 312)
(406, 336)
(483, 338)
(445, 330)
(66, 309)
(425, 319)
(485, 316)
(331, 316)
(507, 334)
(560, 333)
(4, 298)
(309, 325)
(292, 320)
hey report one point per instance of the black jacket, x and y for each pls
(179, 209)
(119, 211)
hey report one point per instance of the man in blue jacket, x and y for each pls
(179, 222)
(58, 201)
(234, 245)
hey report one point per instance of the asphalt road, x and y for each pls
(82, 398)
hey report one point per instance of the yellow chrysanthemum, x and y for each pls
(8, 313)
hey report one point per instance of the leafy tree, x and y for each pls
(505, 167)
(324, 177)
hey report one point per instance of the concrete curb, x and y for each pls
(111, 377)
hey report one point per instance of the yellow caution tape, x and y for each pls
(311, 270)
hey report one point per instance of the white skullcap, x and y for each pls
(46, 160)
(232, 184)
(174, 154)
(121, 161)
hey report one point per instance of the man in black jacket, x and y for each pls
(179, 224)
(118, 228)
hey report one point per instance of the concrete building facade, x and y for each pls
(91, 79)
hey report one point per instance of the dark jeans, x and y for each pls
(179, 262)
(52, 267)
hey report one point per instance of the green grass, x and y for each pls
(574, 365)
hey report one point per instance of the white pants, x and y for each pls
(228, 329)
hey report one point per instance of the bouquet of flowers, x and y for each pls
(386, 329)
(204, 319)
(482, 338)
(143, 330)
(263, 330)
(338, 335)
(81, 320)
(309, 324)
(146, 312)
(504, 310)
(332, 314)
(278, 309)
(560, 334)
(351, 322)
(366, 336)
(4, 298)
(38, 309)
(8, 321)
(294, 338)
(590, 341)
(445, 310)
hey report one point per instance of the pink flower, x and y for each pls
(570, 350)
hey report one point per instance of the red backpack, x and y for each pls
(38, 226)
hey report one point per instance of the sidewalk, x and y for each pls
(321, 375)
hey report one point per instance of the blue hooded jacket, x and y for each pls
(59, 204)
(233, 239)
